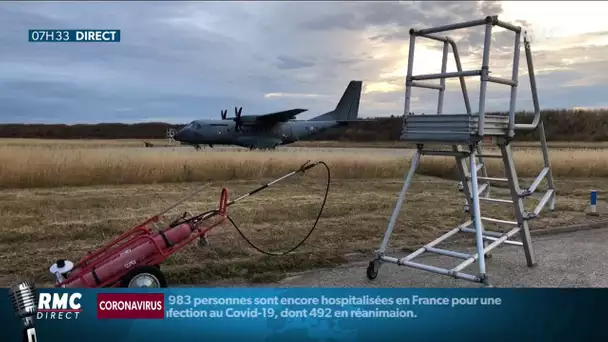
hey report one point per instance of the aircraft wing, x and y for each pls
(271, 118)
(280, 116)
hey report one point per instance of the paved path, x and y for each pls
(578, 259)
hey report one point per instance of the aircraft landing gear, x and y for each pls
(211, 145)
(197, 147)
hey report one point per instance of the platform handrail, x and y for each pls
(531, 126)
(488, 22)
(452, 43)
(493, 20)
(410, 79)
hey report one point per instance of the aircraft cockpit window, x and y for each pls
(198, 126)
(190, 125)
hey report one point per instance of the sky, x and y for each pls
(181, 61)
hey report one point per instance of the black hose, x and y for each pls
(183, 220)
(314, 226)
(206, 215)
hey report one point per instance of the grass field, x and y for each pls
(61, 199)
(73, 163)
(105, 143)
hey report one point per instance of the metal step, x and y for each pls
(481, 189)
(493, 236)
(494, 220)
(491, 179)
(543, 201)
(446, 252)
(532, 188)
(496, 200)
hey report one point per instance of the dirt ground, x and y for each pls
(42, 225)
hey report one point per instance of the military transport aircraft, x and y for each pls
(268, 131)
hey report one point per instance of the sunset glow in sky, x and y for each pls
(179, 61)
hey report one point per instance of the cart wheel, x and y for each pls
(372, 269)
(145, 276)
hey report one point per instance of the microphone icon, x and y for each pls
(24, 299)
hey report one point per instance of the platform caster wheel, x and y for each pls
(372, 269)
(144, 277)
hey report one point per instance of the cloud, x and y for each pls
(189, 60)
(270, 95)
(287, 63)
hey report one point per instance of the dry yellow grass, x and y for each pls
(40, 167)
(113, 143)
(42, 225)
(58, 163)
(79, 143)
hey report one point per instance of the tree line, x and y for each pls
(560, 125)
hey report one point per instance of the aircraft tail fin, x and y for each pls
(348, 107)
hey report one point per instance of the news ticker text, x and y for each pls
(316, 306)
(304, 314)
(161, 306)
(83, 36)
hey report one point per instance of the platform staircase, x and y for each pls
(466, 137)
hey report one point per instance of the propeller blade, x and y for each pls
(240, 110)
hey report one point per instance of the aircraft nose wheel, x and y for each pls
(372, 269)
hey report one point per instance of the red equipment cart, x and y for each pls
(133, 259)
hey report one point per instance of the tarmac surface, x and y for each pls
(577, 259)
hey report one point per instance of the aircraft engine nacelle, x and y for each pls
(248, 120)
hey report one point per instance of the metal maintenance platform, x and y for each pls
(464, 134)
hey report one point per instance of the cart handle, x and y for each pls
(223, 202)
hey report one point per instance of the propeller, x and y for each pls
(224, 113)
(237, 118)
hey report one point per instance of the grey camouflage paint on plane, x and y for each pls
(268, 131)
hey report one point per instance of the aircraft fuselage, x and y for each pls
(225, 132)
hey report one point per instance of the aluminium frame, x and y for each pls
(465, 133)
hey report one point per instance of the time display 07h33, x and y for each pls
(83, 36)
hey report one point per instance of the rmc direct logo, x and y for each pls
(59, 306)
